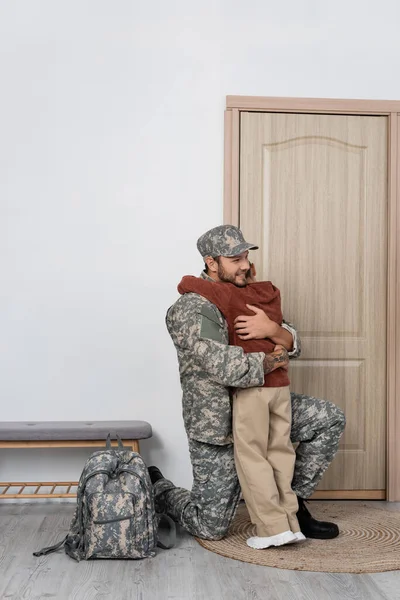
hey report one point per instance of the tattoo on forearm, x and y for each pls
(275, 360)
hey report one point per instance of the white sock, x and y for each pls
(259, 543)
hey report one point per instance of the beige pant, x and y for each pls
(265, 458)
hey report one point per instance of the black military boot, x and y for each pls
(155, 474)
(159, 500)
(311, 528)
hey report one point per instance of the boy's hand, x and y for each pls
(251, 274)
(257, 327)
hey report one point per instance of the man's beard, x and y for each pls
(224, 276)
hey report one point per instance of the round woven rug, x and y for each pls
(369, 542)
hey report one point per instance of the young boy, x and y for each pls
(264, 455)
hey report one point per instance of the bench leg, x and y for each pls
(134, 444)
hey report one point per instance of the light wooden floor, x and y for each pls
(187, 572)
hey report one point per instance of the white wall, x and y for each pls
(111, 166)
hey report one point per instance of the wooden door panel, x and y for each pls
(313, 196)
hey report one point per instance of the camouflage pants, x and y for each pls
(208, 510)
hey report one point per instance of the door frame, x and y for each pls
(391, 109)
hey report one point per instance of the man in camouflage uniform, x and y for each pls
(209, 368)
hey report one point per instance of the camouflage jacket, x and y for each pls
(208, 367)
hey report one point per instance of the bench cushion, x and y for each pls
(73, 430)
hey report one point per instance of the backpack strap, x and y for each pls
(72, 540)
(166, 533)
(108, 442)
(50, 549)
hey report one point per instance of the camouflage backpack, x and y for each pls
(115, 515)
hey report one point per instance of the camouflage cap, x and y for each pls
(225, 240)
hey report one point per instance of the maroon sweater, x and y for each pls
(231, 301)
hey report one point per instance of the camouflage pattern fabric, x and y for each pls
(317, 426)
(115, 515)
(116, 507)
(208, 368)
(208, 510)
(225, 240)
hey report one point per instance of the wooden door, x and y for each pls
(313, 196)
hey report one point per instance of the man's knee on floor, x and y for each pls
(212, 531)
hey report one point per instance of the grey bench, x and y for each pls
(63, 434)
